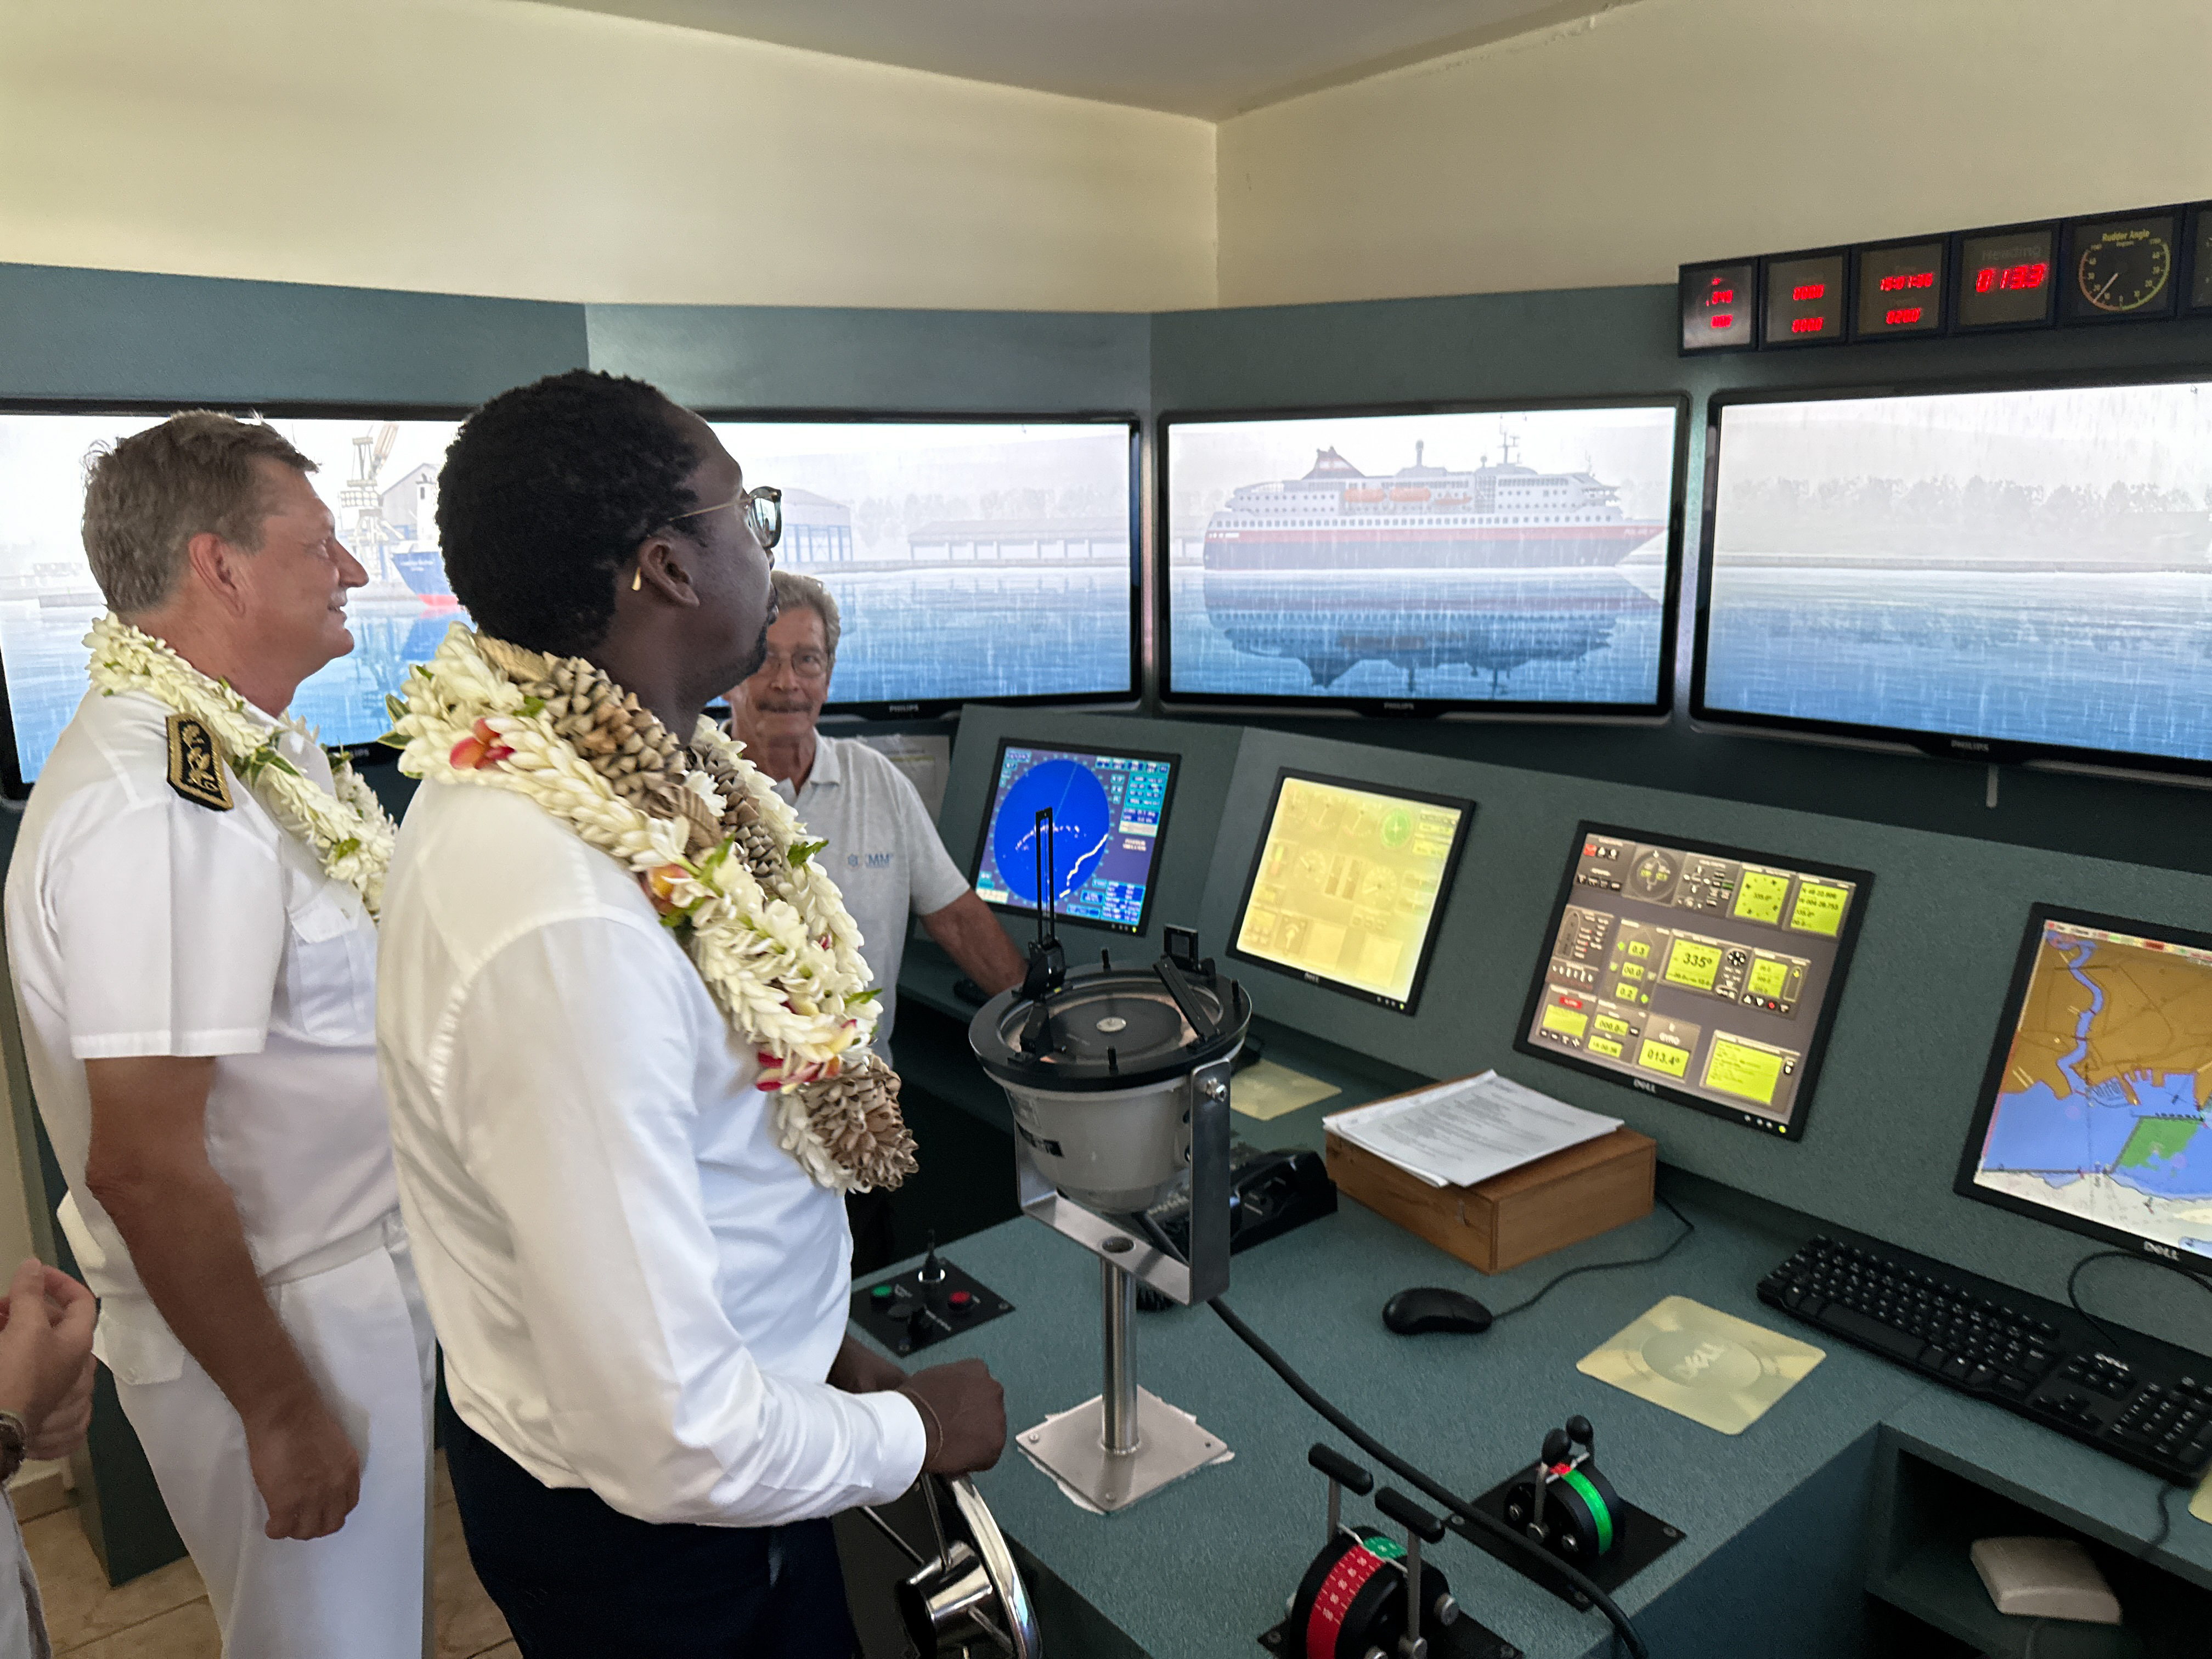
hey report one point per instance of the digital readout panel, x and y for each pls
(2005, 278)
(1099, 853)
(1719, 306)
(2123, 268)
(1901, 289)
(1805, 299)
(1349, 885)
(1707, 975)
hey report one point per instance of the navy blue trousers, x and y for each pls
(578, 1580)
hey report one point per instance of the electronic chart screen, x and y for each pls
(1109, 815)
(1349, 884)
(1991, 575)
(2092, 1114)
(1705, 975)
(379, 479)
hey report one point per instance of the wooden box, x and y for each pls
(1512, 1218)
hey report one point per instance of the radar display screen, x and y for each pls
(1349, 884)
(2092, 1113)
(1704, 974)
(1109, 818)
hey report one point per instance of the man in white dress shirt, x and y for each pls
(641, 1295)
(196, 996)
(882, 849)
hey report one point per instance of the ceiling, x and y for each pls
(1206, 58)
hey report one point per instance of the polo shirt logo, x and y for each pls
(878, 860)
(195, 768)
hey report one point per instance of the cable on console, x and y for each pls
(1661, 1254)
(1405, 1471)
(2165, 1523)
(2074, 1278)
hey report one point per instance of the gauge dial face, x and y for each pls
(2122, 267)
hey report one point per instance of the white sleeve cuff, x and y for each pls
(906, 1441)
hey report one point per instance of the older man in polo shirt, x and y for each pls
(884, 851)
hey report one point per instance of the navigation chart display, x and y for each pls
(1985, 574)
(2093, 1113)
(1349, 884)
(1109, 813)
(1707, 975)
(1498, 559)
(970, 559)
(379, 479)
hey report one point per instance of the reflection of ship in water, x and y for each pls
(1424, 518)
(394, 533)
(1493, 621)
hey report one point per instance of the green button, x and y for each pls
(881, 1292)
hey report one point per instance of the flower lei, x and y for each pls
(718, 853)
(348, 832)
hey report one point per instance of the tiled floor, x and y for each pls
(164, 1615)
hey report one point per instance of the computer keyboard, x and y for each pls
(2139, 1400)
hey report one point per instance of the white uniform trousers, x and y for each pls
(361, 1593)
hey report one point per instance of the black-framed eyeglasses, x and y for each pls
(762, 506)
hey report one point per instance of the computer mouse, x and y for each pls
(1432, 1307)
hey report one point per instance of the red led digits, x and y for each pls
(1901, 316)
(1721, 296)
(1809, 290)
(1724, 319)
(2013, 277)
(1917, 279)
(1808, 324)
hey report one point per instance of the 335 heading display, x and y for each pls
(2147, 265)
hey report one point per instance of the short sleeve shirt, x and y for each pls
(884, 853)
(142, 923)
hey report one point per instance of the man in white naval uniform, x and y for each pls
(197, 999)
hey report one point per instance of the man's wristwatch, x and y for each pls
(15, 1438)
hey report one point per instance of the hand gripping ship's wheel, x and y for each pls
(967, 1596)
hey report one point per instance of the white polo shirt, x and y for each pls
(884, 853)
(638, 1290)
(141, 923)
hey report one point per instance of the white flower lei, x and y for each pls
(783, 962)
(350, 832)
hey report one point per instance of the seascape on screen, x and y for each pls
(1514, 558)
(2032, 567)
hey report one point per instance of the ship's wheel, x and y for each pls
(965, 1595)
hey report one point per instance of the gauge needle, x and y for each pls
(2107, 287)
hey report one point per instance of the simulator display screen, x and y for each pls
(1349, 885)
(1471, 558)
(968, 559)
(2032, 567)
(1109, 815)
(379, 478)
(2095, 1114)
(1704, 974)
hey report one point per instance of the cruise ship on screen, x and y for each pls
(1505, 516)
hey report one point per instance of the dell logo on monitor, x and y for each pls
(1647, 1088)
(2165, 1251)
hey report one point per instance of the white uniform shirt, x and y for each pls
(140, 923)
(884, 853)
(637, 1289)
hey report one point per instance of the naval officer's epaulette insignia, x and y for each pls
(195, 768)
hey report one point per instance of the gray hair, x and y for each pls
(795, 591)
(147, 495)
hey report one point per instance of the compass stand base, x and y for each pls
(1072, 1446)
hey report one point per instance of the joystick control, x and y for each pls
(1564, 1504)
(1356, 1598)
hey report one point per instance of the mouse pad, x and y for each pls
(1264, 1090)
(1702, 1363)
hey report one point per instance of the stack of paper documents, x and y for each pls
(1459, 1134)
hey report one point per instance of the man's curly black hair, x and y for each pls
(547, 491)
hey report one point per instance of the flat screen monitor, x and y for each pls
(378, 473)
(2092, 1113)
(1110, 818)
(1496, 561)
(971, 561)
(1348, 884)
(1707, 975)
(1997, 574)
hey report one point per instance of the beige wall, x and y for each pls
(502, 147)
(1611, 151)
